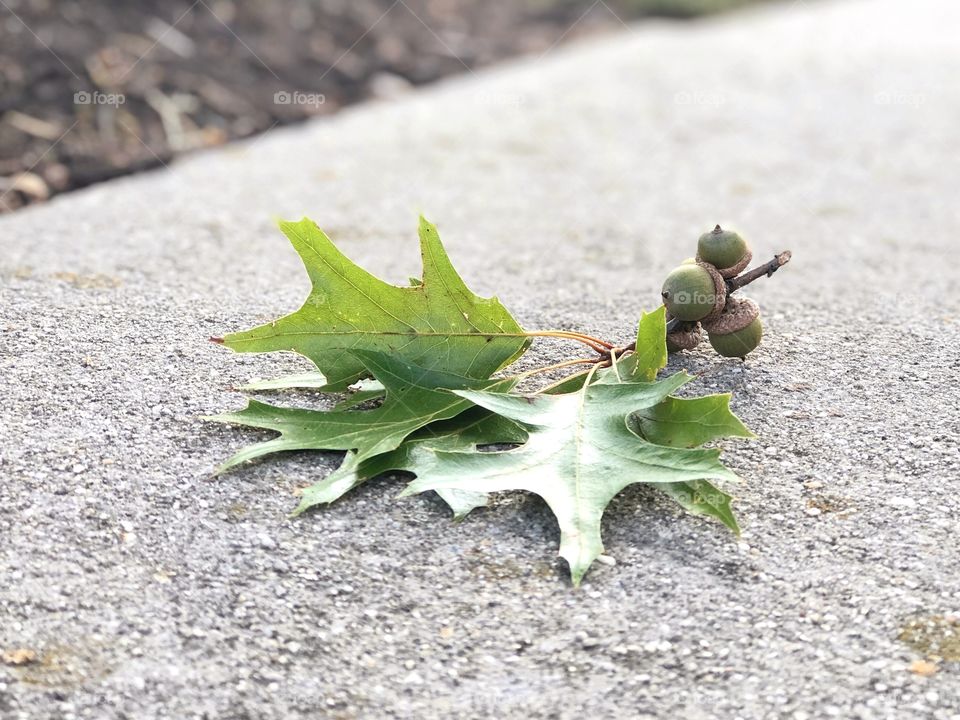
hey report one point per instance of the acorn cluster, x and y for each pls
(698, 298)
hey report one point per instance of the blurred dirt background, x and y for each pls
(94, 89)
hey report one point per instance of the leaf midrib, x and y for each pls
(417, 333)
(578, 443)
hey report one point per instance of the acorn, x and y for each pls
(725, 250)
(692, 292)
(738, 330)
(686, 337)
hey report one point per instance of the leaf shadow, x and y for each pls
(648, 527)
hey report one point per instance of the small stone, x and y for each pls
(589, 642)
(607, 560)
(657, 646)
(924, 668)
(18, 656)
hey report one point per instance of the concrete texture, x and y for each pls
(570, 186)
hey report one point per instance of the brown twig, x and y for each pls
(765, 270)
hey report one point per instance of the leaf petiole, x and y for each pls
(558, 366)
(595, 344)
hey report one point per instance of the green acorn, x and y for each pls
(725, 250)
(738, 330)
(689, 293)
(740, 342)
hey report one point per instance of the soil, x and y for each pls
(94, 89)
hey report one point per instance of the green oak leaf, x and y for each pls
(689, 422)
(579, 455)
(471, 429)
(438, 324)
(415, 397)
(650, 353)
(674, 422)
(681, 422)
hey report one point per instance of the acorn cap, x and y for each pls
(684, 338)
(719, 292)
(738, 314)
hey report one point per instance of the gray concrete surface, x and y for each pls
(570, 186)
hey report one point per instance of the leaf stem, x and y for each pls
(596, 344)
(590, 373)
(558, 366)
